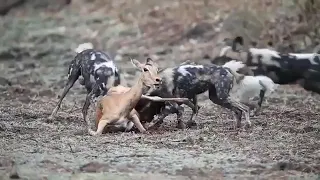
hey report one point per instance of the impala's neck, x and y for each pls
(135, 93)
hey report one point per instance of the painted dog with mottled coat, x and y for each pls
(95, 70)
(251, 87)
(282, 68)
(189, 80)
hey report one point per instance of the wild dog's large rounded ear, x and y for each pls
(237, 41)
(136, 63)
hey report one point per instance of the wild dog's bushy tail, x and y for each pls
(268, 85)
(233, 66)
(83, 46)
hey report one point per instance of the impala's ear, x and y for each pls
(149, 60)
(136, 63)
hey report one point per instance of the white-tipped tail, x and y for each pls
(83, 46)
(234, 65)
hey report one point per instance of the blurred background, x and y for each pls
(38, 37)
(167, 29)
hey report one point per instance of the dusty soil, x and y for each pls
(35, 50)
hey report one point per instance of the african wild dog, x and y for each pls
(282, 68)
(98, 72)
(189, 80)
(250, 87)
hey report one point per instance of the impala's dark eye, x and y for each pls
(145, 69)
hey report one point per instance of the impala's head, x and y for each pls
(149, 76)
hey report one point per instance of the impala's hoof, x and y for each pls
(92, 133)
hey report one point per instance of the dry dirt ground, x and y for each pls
(283, 142)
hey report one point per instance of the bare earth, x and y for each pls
(283, 142)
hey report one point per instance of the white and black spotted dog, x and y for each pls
(95, 70)
(282, 68)
(250, 87)
(189, 80)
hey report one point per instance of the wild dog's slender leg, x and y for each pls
(191, 122)
(136, 121)
(73, 75)
(223, 87)
(179, 112)
(168, 109)
(180, 93)
(219, 94)
(195, 102)
(98, 114)
(252, 105)
(238, 114)
(85, 109)
(87, 103)
(178, 108)
(253, 108)
(174, 107)
(245, 109)
(261, 98)
(225, 104)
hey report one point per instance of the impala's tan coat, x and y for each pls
(118, 108)
(121, 100)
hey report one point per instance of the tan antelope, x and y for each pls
(118, 108)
